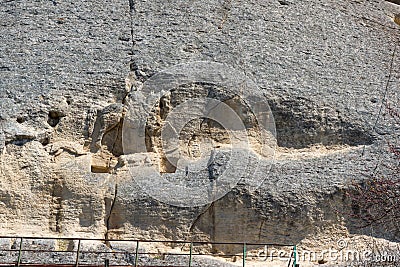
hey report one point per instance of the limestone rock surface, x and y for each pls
(69, 72)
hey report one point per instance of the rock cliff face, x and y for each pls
(69, 72)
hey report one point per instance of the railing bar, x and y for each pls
(136, 253)
(126, 252)
(190, 254)
(77, 253)
(149, 241)
(19, 253)
(244, 254)
(295, 256)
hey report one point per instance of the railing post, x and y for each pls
(190, 254)
(244, 254)
(106, 263)
(77, 253)
(19, 252)
(137, 253)
(295, 256)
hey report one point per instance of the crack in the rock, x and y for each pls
(108, 219)
(211, 212)
(226, 9)
(132, 5)
(132, 13)
(195, 221)
(261, 227)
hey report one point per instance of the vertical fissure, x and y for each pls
(108, 219)
(132, 13)
(226, 9)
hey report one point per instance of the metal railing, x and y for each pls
(78, 252)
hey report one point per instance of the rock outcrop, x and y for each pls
(69, 72)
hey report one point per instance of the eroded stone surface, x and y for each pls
(321, 66)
